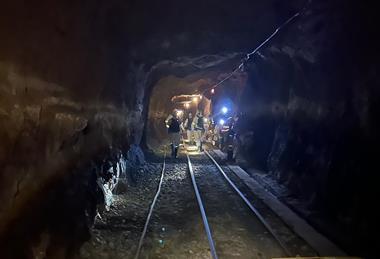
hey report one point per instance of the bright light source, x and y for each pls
(205, 120)
(195, 99)
(212, 90)
(224, 110)
(187, 105)
(221, 122)
(179, 112)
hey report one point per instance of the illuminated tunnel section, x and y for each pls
(166, 93)
(161, 105)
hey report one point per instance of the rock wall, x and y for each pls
(48, 142)
(66, 102)
(311, 110)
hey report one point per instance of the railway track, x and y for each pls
(199, 212)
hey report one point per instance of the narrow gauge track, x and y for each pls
(250, 206)
(198, 212)
(174, 228)
(238, 229)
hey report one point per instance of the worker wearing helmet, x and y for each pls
(173, 124)
(199, 128)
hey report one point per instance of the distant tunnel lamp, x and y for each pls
(195, 99)
(224, 110)
(187, 105)
(205, 120)
(221, 122)
(212, 90)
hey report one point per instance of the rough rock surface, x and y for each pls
(117, 232)
(310, 112)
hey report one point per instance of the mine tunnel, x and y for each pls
(283, 165)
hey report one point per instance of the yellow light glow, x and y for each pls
(195, 99)
(187, 105)
(200, 97)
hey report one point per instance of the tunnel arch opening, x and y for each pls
(188, 76)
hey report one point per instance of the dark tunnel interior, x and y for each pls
(86, 86)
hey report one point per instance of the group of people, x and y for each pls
(194, 127)
(199, 128)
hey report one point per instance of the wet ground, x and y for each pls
(176, 229)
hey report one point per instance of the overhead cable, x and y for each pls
(248, 55)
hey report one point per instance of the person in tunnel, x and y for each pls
(173, 124)
(215, 133)
(187, 126)
(229, 137)
(207, 136)
(199, 127)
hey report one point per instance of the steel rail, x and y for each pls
(253, 209)
(141, 241)
(202, 210)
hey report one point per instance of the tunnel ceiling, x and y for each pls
(85, 45)
(62, 41)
